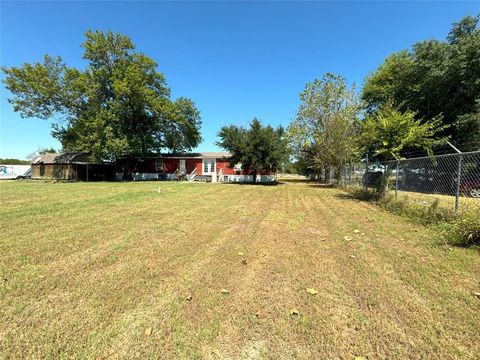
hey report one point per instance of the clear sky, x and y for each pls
(236, 60)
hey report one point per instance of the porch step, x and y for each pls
(203, 178)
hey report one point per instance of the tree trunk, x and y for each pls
(382, 185)
(339, 176)
(255, 176)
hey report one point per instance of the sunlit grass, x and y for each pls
(87, 268)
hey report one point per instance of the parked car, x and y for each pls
(471, 187)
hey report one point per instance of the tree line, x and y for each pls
(417, 98)
(120, 105)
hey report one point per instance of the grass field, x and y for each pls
(136, 270)
(465, 203)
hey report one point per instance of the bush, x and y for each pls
(464, 229)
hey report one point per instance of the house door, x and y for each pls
(182, 166)
(208, 166)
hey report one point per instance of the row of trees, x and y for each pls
(332, 128)
(120, 105)
(415, 99)
(435, 78)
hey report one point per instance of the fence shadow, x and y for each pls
(321, 185)
(360, 194)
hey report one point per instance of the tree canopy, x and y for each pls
(118, 105)
(258, 148)
(435, 78)
(323, 131)
(387, 132)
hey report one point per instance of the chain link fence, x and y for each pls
(454, 178)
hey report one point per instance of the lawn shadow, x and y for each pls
(270, 183)
(358, 194)
(321, 185)
(295, 180)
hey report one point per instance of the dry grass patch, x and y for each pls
(120, 270)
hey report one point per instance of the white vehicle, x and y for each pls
(14, 171)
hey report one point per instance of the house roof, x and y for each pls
(197, 155)
(76, 157)
(61, 158)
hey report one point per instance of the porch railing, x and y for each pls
(192, 175)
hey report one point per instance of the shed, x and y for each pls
(71, 166)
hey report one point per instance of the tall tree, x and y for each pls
(118, 105)
(435, 78)
(258, 148)
(323, 131)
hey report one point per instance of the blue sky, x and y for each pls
(236, 60)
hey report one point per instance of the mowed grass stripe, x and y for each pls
(123, 257)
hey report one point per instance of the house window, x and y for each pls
(208, 166)
(158, 165)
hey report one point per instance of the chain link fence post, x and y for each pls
(450, 178)
(459, 175)
(366, 173)
(396, 174)
(459, 180)
(396, 180)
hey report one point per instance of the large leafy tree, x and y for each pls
(118, 105)
(323, 131)
(435, 78)
(257, 148)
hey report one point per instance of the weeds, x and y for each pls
(461, 229)
(464, 229)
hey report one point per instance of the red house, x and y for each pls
(205, 166)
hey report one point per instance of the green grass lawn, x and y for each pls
(136, 270)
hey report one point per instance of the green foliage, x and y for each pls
(258, 148)
(470, 124)
(8, 161)
(464, 229)
(325, 124)
(380, 88)
(388, 131)
(293, 167)
(426, 214)
(464, 28)
(434, 78)
(119, 105)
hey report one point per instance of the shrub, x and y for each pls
(464, 229)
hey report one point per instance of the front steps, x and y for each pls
(203, 178)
